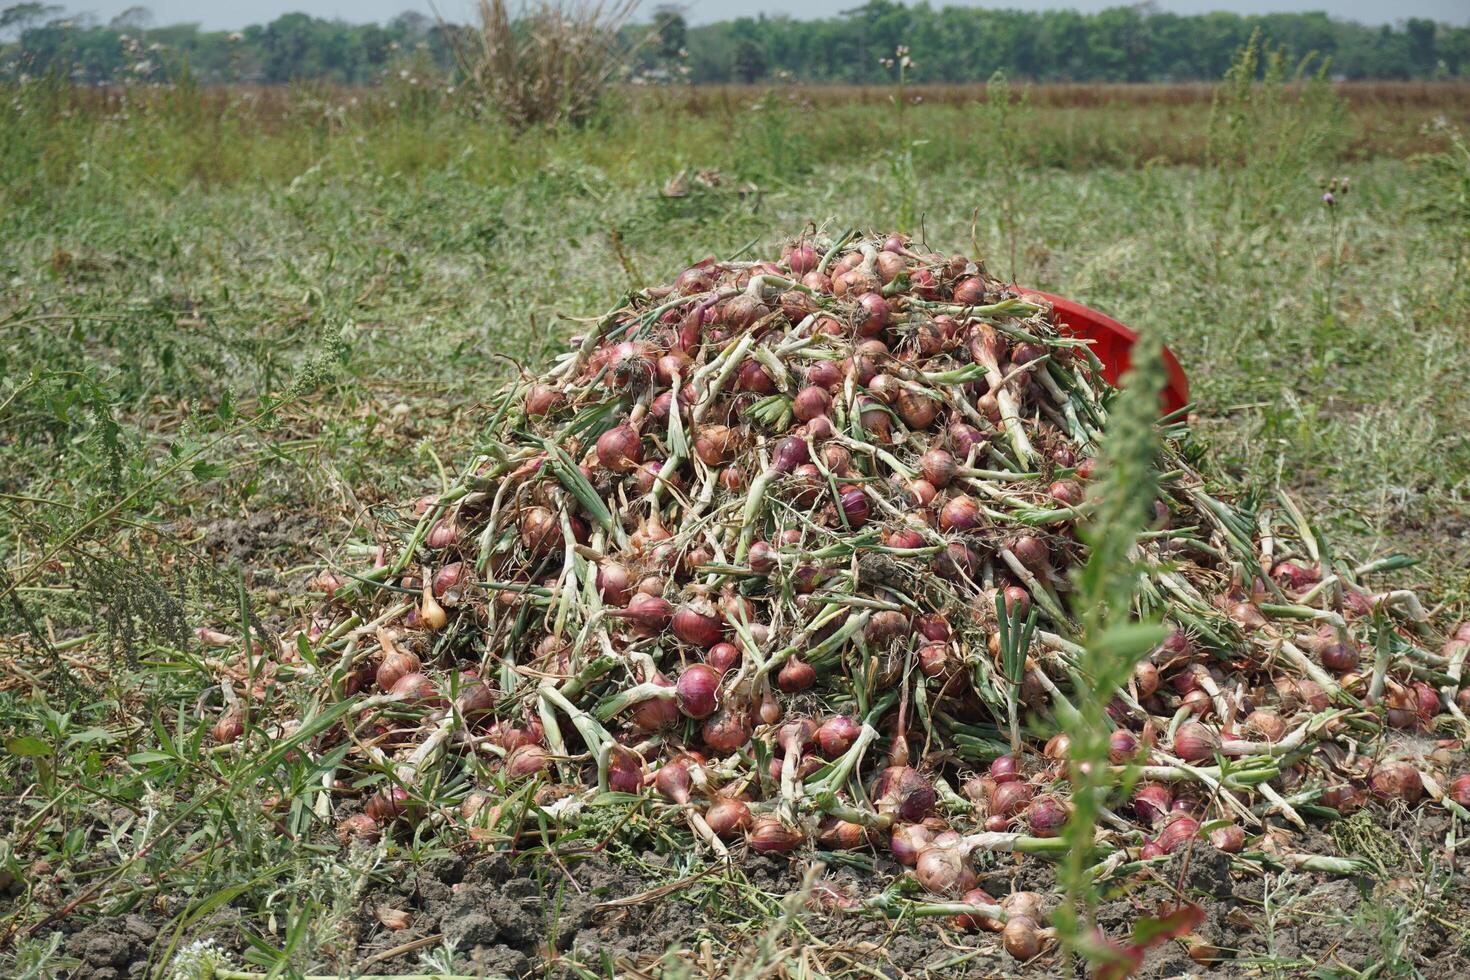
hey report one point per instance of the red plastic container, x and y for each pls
(1112, 342)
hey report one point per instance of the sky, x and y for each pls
(230, 14)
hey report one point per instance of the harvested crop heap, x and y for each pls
(785, 549)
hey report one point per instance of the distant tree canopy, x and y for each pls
(949, 44)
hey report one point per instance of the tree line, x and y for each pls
(947, 44)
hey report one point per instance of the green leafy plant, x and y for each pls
(1118, 634)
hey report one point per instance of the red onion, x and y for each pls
(619, 449)
(1067, 492)
(796, 675)
(358, 827)
(841, 835)
(728, 817)
(1017, 600)
(722, 656)
(907, 840)
(697, 624)
(934, 659)
(886, 627)
(1046, 816)
(944, 869)
(1427, 700)
(697, 690)
(673, 365)
(825, 375)
(872, 315)
(649, 614)
(542, 400)
(1230, 839)
(1396, 781)
(1010, 798)
(964, 437)
(938, 467)
(1460, 790)
(1058, 747)
(854, 505)
(790, 453)
(754, 377)
(957, 561)
(1033, 553)
(1267, 724)
(624, 770)
(1152, 801)
(396, 665)
(769, 835)
(229, 727)
(1343, 798)
(969, 291)
(959, 513)
(1145, 678)
(388, 804)
(904, 792)
(890, 266)
(673, 782)
(811, 402)
(693, 280)
(802, 258)
(727, 729)
(415, 687)
(1123, 746)
(741, 312)
(917, 411)
(875, 420)
(1339, 657)
(715, 444)
(974, 923)
(540, 530)
(1194, 742)
(476, 700)
(903, 538)
(443, 534)
(1005, 768)
(614, 583)
(1178, 831)
(836, 735)
(525, 760)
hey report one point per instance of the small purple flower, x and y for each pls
(1328, 199)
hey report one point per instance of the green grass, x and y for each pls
(168, 275)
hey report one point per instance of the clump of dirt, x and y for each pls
(111, 949)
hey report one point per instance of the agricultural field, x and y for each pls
(240, 327)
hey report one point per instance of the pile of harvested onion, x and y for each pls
(744, 552)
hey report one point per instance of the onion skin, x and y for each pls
(1230, 839)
